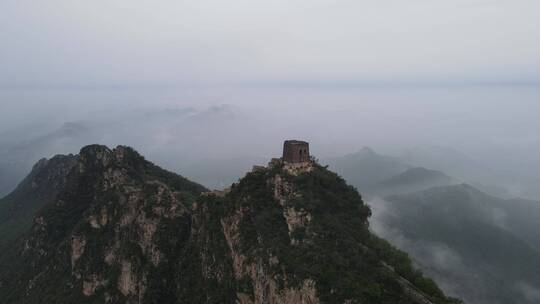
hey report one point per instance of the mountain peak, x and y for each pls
(413, 180)
(96, 154)
(366, 151)
(416, 175)
(122, 230)
(48, 175)
(100, 156)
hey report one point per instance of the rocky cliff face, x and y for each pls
(47, 178)
(118, 229)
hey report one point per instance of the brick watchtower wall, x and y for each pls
(295, 151)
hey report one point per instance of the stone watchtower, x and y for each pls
(295, 151)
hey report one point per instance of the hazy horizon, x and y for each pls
(436, 82)
(494, 128)
(428, 108)
(125, 43)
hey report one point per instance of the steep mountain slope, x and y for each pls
(99, 225)
(121, 230)
(478, 247)
(40, 187)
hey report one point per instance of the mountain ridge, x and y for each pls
(413, 180)
(123, 230)
(475, 245)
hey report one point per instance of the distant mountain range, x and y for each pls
(217, 173)
(178, 138)
(365, 169)
(412, 180)
(18, 154)
(448, 160)
(479, 247)
(475, 240)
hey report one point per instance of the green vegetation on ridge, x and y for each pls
(121, 230)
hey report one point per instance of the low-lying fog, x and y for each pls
(493, 130)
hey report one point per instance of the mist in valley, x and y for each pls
(451, 86)
(428, 108)
(479, 134)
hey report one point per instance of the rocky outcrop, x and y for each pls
(265, 288)
(102, 225)
(296, 218)
(128, 283)
(77, 249)
(121, 230)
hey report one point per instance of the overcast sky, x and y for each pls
(166, 42)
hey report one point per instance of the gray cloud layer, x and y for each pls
(169, 42)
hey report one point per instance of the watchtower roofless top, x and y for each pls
(295, 151)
